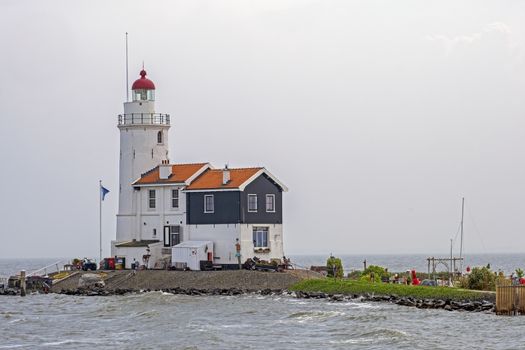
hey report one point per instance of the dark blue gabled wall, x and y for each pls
(261, 187)
(231, 207)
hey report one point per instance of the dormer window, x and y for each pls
(159, 137)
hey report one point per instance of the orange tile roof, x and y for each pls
(212, 179)
(179, 174)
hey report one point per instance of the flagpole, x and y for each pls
(100, 219)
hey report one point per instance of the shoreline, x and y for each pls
(448, 305)
(300, 284)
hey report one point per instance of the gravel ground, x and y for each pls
(161, 279)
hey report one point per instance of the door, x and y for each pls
(176, 235)
(167, 236)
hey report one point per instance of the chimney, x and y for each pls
(165, 170)
(225, 175)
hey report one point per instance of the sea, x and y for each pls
(157, 320)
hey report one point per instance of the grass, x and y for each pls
(331, 286)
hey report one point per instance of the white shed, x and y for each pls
(191, 253)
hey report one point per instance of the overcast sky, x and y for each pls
(378, 115)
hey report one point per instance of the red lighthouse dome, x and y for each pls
(143, 88)
(143, 83)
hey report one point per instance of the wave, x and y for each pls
(376, 336)
(315, 315)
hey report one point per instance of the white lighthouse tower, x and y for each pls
(143, 146)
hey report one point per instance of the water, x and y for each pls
(400, 263)
(162, 321)
(159, 320)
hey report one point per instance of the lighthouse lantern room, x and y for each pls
(143, 88)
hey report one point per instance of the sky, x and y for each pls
(379, 116)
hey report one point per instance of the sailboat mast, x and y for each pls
(461, 241)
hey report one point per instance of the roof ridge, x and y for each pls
(190, 163)
(246, 168)
(149, 171)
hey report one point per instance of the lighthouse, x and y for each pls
(165, 208)
(143, 146)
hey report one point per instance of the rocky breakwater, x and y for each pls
(445, 304)
(9, 291)
(96, 291)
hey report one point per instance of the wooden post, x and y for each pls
(23, 283)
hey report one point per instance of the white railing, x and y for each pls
(45, 268)
(143, 118)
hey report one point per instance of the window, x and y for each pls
(209, 205)
(270, 203)
(152, 199)
(175, 198)
(252, 203)
(159, 137)
(260, 237)
(176, 235)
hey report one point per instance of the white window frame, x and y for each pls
(273, 203)
(212, 204)
(248, 205)
(154, 199)
(176, 190)
(161, 134)
(261, 229)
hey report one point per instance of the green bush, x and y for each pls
(481, 278)
(374, 273)
(334, 264)
(354, 275)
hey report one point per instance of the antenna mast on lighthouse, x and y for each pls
(127, 80)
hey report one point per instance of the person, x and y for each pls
(286, 262)
(134, 266)
(238, 252)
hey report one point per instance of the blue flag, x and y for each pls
(103, 191)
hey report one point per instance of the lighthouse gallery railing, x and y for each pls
(143, 118)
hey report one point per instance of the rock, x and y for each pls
(485, 306)
(337, 297)
(88, 280)
(455, 305)
(468, 306)
(393, 298)
(440, 304)
(428, 304)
